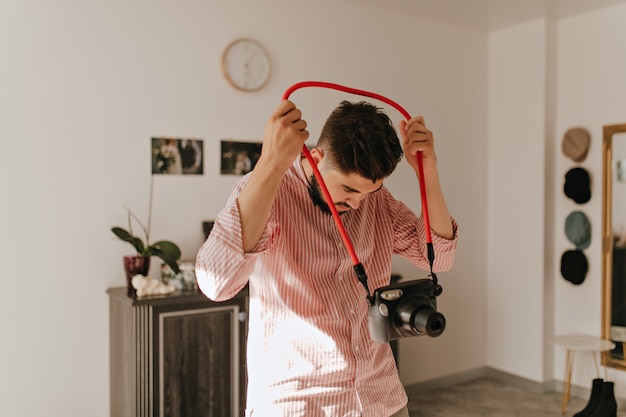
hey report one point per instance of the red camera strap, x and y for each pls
(346, 239)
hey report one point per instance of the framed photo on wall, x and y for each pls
(239, 158)
(177, 156)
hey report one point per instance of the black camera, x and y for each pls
(406, 309)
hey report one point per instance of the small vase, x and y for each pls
(135, 265)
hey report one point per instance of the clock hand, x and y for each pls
(251, 58)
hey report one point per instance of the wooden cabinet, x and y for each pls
(180, 355)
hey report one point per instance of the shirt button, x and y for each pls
(351, 311)
(340, 277)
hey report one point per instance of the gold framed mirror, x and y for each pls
(614, 243)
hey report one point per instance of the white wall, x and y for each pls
(83, 87)
(516, 152)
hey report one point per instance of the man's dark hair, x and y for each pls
(360, 138)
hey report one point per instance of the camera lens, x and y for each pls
(435, 325)
(423, 319)
(427, 320)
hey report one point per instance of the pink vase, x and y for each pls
(135, 265)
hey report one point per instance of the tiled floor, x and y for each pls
(491, 398)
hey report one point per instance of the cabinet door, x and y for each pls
(198, 363)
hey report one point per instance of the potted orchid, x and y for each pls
(139, 264)
(168, 251)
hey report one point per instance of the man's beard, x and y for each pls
(315, 192)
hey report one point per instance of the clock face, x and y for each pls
(246, 65)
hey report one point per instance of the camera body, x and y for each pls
(405, 309)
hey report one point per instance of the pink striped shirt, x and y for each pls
(309, 349)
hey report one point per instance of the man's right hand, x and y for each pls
(284, 136)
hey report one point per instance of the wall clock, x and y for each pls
(246, 65)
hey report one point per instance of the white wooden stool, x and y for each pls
(573, 343)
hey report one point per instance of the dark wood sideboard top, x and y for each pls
(175, 298)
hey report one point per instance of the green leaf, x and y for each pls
(133, 240)
(170, 248)
(121, 233)
(169, 260)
